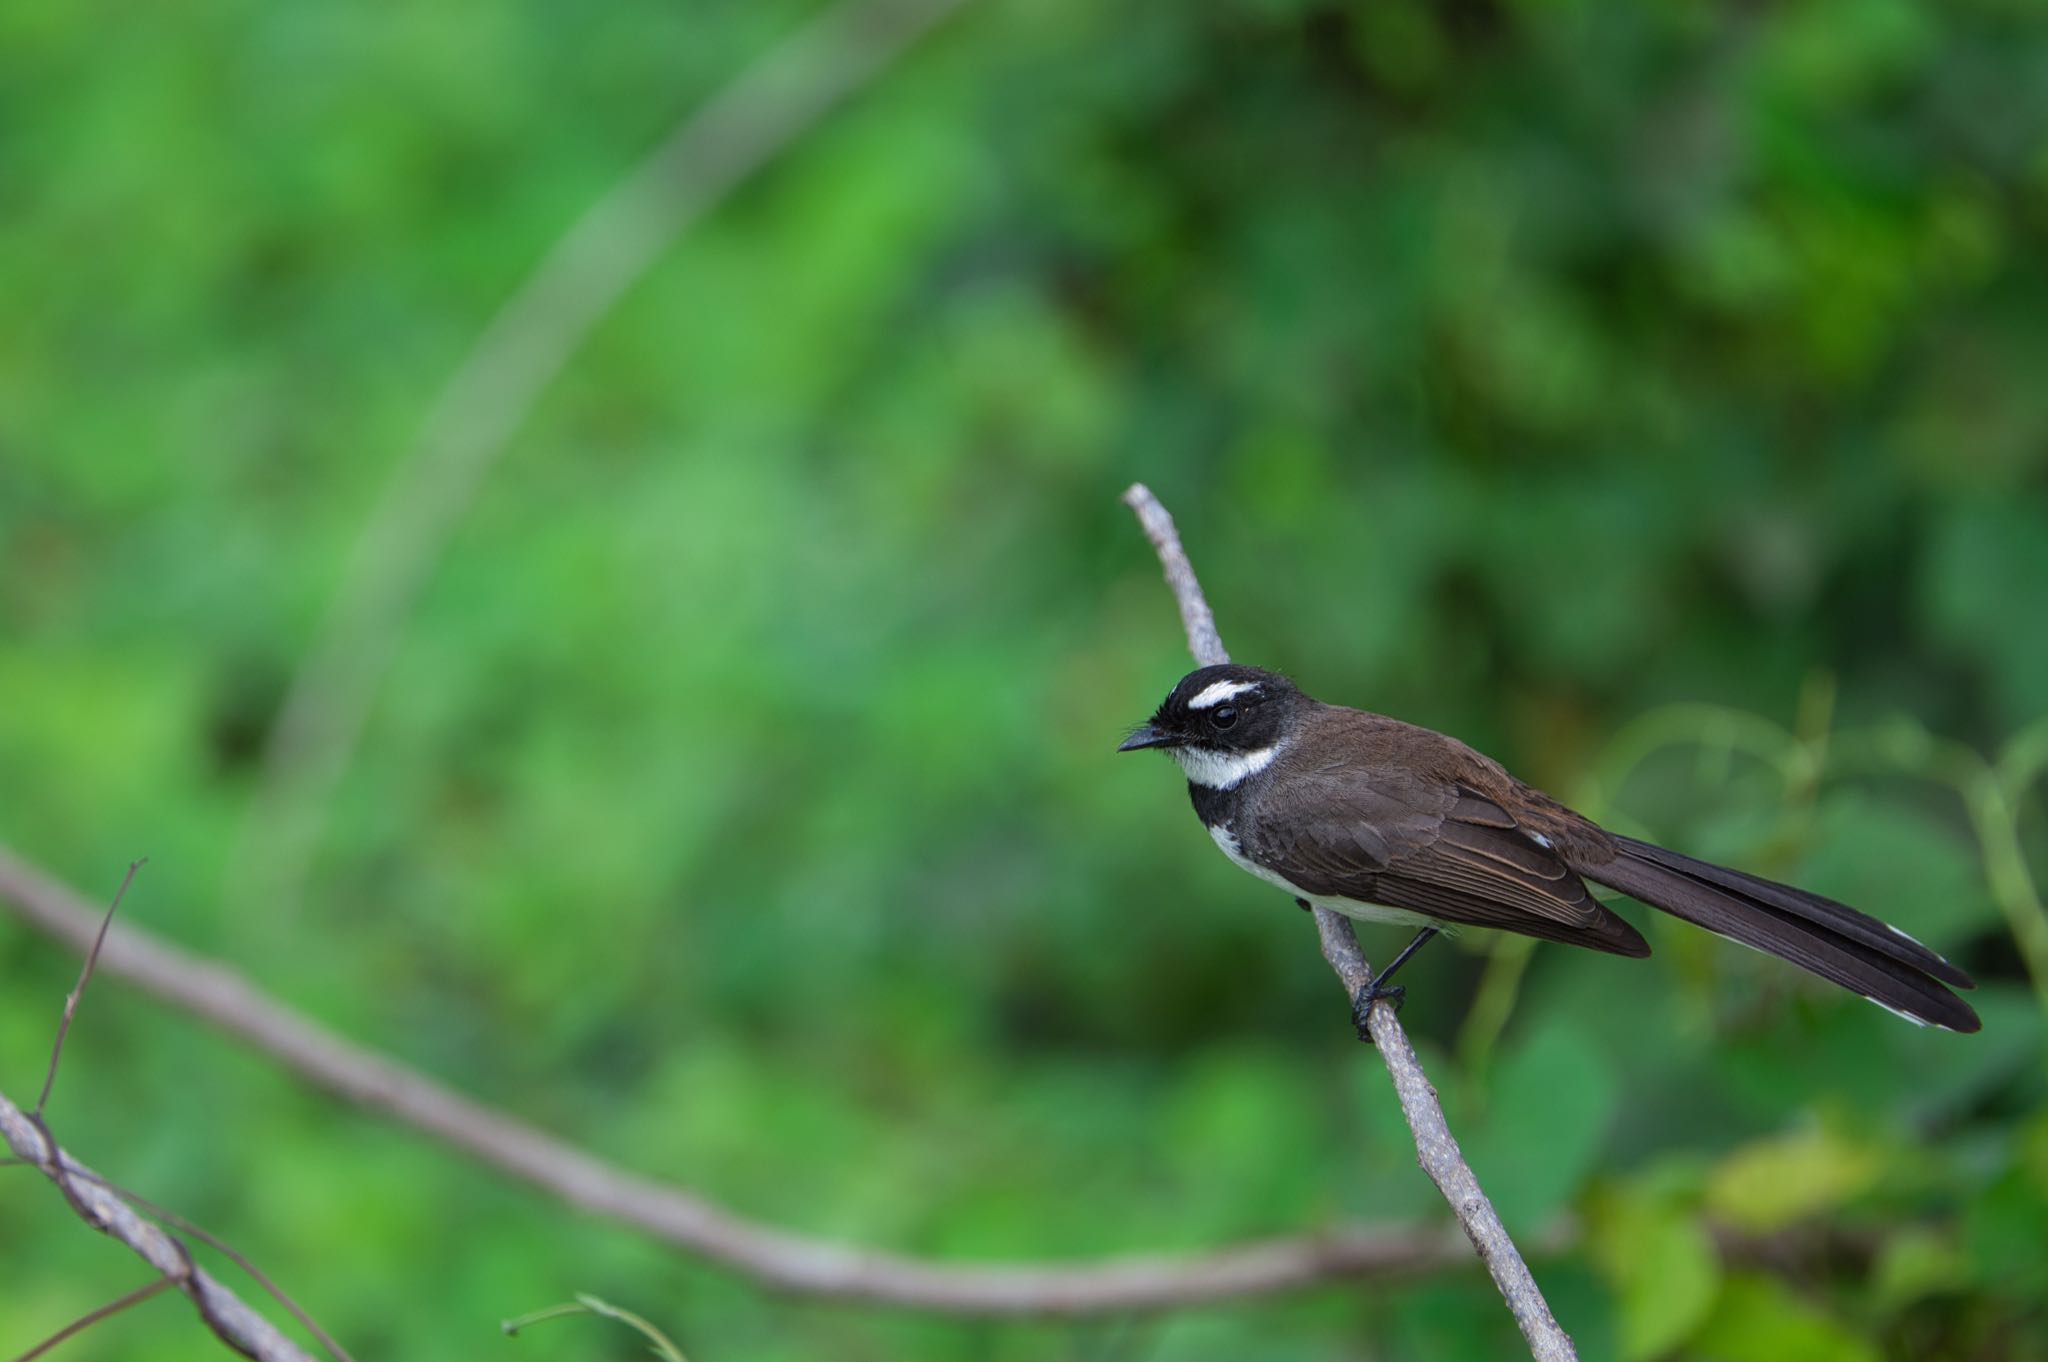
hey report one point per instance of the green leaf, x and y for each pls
(1985, 556)
(1757, 1318)
(1895, 861)
(1660, 1261)
(1770, 1183)
(1550, 1105)
(1917, 1263)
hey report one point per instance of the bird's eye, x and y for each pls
(1223, 716)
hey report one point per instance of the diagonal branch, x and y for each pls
(776, 1258)
(223, 1311)
(1434, 1148)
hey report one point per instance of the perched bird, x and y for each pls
(1387, 822)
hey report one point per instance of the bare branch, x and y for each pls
(66, 1174)
(1434, 1148)
(167, 1216)
(677, 1215)
(1195, 616)
(711, 152)
(793, 1262)
(222, 1311)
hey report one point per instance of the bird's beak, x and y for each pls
(1147, 736)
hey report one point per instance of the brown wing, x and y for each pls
(1382, 836)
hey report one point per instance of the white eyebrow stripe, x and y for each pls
(1217, 692)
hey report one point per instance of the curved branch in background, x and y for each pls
(520, 353)
(223, 1311)
(776, 1258)
(1434, 1148)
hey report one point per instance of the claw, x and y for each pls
(1362, 1005)
(1378, 988)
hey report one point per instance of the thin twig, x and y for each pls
(222, 1311)
(660, 1344)
(78, 990)
(1195, 616)
(92, 1317)
(167, 1216)
(66, 1175)
(1434, 1148)
(712, 151)
(776, 1258)
(163, 1215)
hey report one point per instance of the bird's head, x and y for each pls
(1221, 723)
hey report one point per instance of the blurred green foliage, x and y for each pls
(741, 802)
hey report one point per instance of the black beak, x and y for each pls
(1147, 736)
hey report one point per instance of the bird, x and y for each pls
(1384, 821)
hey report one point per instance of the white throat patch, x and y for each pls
(1217, 692)
(1222, 770)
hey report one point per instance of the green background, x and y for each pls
(1649, 394)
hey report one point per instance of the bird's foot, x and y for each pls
(1362, 1005)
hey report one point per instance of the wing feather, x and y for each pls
(1446, 851)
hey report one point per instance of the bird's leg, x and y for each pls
(1362, 1001)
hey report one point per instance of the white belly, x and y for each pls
(1351, 908)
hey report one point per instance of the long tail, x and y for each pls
(1817, 934)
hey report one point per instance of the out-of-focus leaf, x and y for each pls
(1661, 1263)
(1448, 1319)
(1771, 1183)
(1899, 864)
(1916, 1263)
(1547, 1114)
(2002, 1223)
(2031, 1150)
(1943, 1072)
(1984, 557)
(1756, 1318)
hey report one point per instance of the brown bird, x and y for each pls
(1387, 822)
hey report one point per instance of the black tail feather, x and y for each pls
(1838, 918)
(1826, 938)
